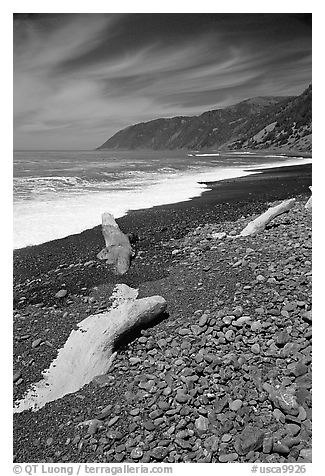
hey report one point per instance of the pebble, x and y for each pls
(306, 454)
(282, 338)
(255, 348)
(241, 321)
(255, 326)
(228, 458)
(202, 424)
(61, 294)
(250, 439)
(36, 343)
(235, 405)
(159, 453)
(105, 412)
(278, 415)
(17, 376)
(136, 453)
(181, 397)
(230, 335)
(292, 429)
(112, 421)
(268, 444)
(226, 437)
(281, 448)
(203, 320)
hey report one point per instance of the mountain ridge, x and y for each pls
(262, 122)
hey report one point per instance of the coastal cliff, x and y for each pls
(277, 123)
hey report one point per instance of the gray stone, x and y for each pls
(235, 405)
(36, 343)
(251, 439)
(136, 453)
(61, 294)
(228, 458)
(202, 424)
(306, 454)
(159, 453)
(255, 348)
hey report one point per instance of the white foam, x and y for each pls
(59, 214)
(39, 221)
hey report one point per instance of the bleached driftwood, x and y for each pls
(260, 222)
(308, 205)
(90, 349)
(118, 251)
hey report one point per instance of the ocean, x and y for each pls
(59, 193)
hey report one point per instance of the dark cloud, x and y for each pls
(78, 78)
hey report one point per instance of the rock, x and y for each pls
(289, 441)
(226, 437)
(149, 425)
(251, 439)
(203, 320)
(255, 348)
(306, 454)
(61, 294)
(220, 404)
(235, 405)
(281, 448)
(159, 453)
(307, 316)
(112, 421)
(300, 369)
(241, 321)
(278, 415)
(211, 443)
(136, 453)
(218, 236)
(105, 412)
(36, 343)
(202, 424)
(283, 397)
(230, 335)
(228, 458)
(282, 338)
(292, 429)
(17, 376)
(268, 444)
(260, 278)
(255, 326)
(181, 397)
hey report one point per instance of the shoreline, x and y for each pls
(196, 279)
(267, 171)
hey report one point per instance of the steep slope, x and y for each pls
(262, 122)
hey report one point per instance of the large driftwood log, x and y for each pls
(260, 222)
(91, 348)
(308, 205)
(118, 251)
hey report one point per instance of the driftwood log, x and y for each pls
(118, 250)
(308, 205)
(91, 348)
(260, 222)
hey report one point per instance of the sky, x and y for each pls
(80, 78)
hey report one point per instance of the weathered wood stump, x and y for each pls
(260, 222)
(118, 250)
(91, 348)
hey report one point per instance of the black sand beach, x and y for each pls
(229, 378)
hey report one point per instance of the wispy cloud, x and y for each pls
(79, 78)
